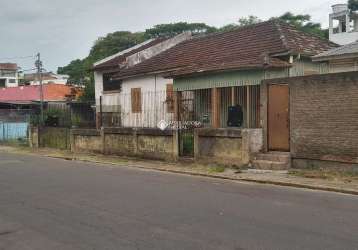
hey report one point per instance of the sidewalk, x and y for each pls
(295, 178)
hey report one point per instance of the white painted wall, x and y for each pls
(154, 106)
(11, 82)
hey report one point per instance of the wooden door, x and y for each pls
(278, 118)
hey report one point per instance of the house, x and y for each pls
(341, 59)
(47, 78)
(343, 25)
(8, 75)
(216, 72)
(26, 96)
(132, 101)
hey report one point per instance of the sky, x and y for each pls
(66, 30)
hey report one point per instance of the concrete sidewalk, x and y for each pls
(282, 178)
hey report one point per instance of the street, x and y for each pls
(56, 204)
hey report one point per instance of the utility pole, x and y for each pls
(38, 65)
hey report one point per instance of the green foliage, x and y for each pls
(172, 29)
(242, 22)
(353, 5)
(245, 21)
(303, 22)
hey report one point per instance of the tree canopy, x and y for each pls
(304, 23)
(353, 5)
(172, 29)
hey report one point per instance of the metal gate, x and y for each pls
(185, 127)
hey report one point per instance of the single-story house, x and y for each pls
(341, 59)
(26, 96)
(124, 101)
(216, 72)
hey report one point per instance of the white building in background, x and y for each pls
(9, 75)
(343, 25)
(47, 78)
(140, 101)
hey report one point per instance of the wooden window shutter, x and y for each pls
(136, 99)
(170, 98)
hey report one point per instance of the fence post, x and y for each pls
(101, 112)
(103, 140)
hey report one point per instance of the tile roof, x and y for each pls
(346, 50)
(249, 47)
(52, 92)
(8, 66)
(114, 62)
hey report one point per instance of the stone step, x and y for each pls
(270, 165)
(274, 156)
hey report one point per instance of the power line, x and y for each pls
(17, 58)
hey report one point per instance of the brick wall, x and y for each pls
(324, 117)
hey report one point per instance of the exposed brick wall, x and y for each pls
(324, 117)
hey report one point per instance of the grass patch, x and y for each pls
(216, 169)
(347, 175)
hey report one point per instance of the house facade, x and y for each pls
(8, 75)
(213, 74)
(341, 59)
(46, 78)
(343, 25)
(133, 101)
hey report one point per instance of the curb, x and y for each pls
(267, 182)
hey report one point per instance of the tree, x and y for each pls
(172, 29)
(353, 5)
(242, 22)
(303, 22)
(245, 21)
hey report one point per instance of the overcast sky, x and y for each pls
(65, 30)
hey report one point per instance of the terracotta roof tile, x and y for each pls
(8, 66)
(52, 92)
(116, 61)
(249, 47)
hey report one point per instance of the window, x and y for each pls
(12, 80)
(110, 84)
(2, 83)
(136, 99)
(170, 98)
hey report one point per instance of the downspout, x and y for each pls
(155, 99)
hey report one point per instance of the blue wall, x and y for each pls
(13, 131)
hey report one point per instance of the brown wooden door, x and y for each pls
(278, 118)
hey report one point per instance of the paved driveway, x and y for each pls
(56, 204)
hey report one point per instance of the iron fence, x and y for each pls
(66, 115)
(147, 109)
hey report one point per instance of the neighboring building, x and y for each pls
(229, 67)
(8, 75)
(340, 59)
(123, 100)
(343, 25)
(27, 95)
(47, 78)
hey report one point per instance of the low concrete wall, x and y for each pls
(52, 137)
(227, 146)
(134, 142)
(34, 137)
(86, 140)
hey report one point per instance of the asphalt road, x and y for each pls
(57, 204)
